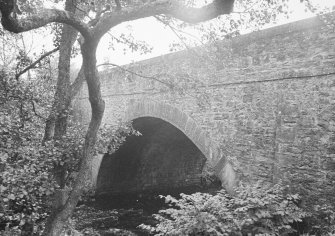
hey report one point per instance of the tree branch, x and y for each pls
(39, 19)
(164, 7)
(156, 78)
(139, 75)
(178, 36)
(76, 85)
(35, 112)
(175, 30)
(190, 49)
(36, 62)
(118, 5)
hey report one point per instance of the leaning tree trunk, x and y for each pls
(59, 217)
(56, 123)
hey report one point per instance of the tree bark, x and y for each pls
(58, 218)
(56, 123)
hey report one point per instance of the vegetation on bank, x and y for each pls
(252, 210)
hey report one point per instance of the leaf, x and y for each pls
(2, 188)
(3, 157)
(22, 222)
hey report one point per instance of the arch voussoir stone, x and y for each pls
(169, 112)
(196, 135)
(201, 140)
(189, 127)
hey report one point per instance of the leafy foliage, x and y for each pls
(110, 138)
(253, 209)
(31, 171)
(25, 181)
(321, 220)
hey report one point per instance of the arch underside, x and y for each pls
(171, 153)
(159, 160)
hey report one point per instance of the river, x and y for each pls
(122, 214)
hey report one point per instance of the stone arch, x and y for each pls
(183, 122)
(178, 119)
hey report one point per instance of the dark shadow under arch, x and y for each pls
(163, 158)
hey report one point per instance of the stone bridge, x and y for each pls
(256, 107)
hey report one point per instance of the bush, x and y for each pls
(25, 182)
(253, 209)
(321, 220)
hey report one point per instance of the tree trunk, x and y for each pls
(59, 217)
(56, 123)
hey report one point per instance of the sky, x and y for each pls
(160, 38)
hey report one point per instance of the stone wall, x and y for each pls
(266, 100)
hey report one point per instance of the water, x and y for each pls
(125, 212)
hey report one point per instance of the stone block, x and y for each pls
(190, 127)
